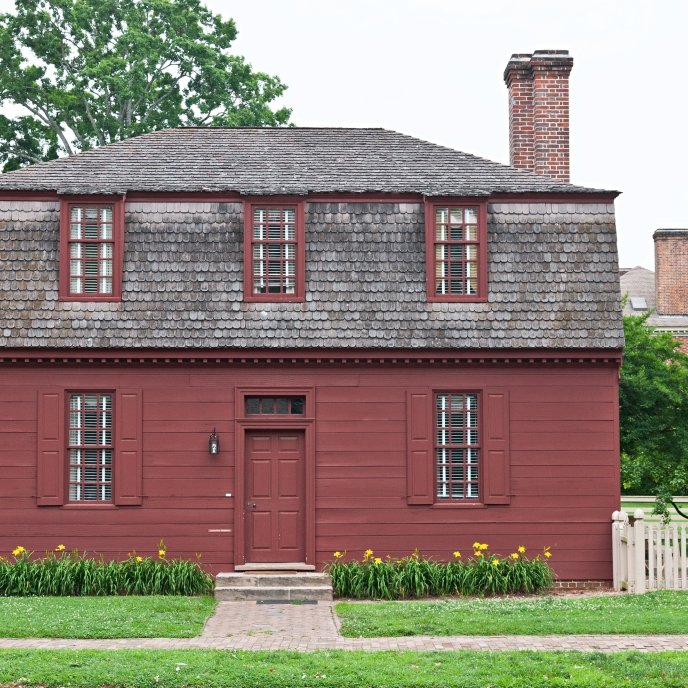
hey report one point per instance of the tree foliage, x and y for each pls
(654, 413)
(85, 73)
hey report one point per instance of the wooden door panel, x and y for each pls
(289, 479)
(261, 530)
(261, 478)
(289, 534)
(275, 475)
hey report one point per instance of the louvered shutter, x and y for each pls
(50, 483)
(128, 469)
(420, 462)
(496, 460)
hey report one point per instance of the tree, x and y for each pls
(85, 73)
(654, 413)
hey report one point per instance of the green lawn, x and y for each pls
(103, 617)
(341, 669)
(656, 612)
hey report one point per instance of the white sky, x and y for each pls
(433, 69)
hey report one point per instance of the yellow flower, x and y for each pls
(337, 555)
(477, 554)
(367, 554)
(521, 549)
(476, 545)
(60, 548)
(495, 562)
(548, 554)
(514, 556)
(138, 560)
(457, 555)
(18, 550)
(377, 560)
(483, 546)
(161, 554)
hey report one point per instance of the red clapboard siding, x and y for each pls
(561, 457)
(367, 410)
(17, 410)
(388, 510)
(564, 394)
(559, 430)
(560, 440)
(16, 426)
(565, 411)
(355, 458)
(367, 441)
(361, 487)
(563, 471)
(186, 411)
(18, 458)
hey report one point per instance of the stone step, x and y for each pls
(284, 566)
(234, 593)
(271, 580)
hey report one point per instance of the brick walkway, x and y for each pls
(306, 628)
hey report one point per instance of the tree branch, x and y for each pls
(50, 122)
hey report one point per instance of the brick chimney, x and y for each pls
(539, 112)
(671, 271)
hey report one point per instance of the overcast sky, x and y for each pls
(434, 69)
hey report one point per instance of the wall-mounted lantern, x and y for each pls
(213, 444)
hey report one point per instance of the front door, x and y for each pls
(275, 477)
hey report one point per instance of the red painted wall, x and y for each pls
(563, 422)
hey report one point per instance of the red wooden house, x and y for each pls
(269, 344)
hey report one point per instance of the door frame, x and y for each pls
(243, 424)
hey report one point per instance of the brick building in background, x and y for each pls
(664, 291)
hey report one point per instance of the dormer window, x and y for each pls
(456, 246)
(274, 253)
(91, 238)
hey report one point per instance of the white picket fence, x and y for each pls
(648, 555)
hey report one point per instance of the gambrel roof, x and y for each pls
(552, 263)
(279, 161)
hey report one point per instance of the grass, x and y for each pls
(341, 669)
(655, 612)
(103, 617)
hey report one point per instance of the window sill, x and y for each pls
(73, 505)
(459, 505)
(91, 299)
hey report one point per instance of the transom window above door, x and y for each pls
(275, 406)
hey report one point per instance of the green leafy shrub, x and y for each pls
(414, 576)
(63, 573)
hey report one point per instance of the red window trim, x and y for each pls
(462, 502)
(430, 205)
(92, 503)
(117, 203)
(241, 393)
(275, 202)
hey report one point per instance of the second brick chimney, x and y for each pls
(671, 271)
(539, 112)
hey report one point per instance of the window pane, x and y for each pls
(91, 232)
(274, 405)
(456, 251)
(457, 439)
(274, 250)
(90, 446)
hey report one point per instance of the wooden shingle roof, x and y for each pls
(279, 161)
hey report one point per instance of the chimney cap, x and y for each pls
(670, 233)
(522, 63)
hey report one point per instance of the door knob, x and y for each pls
(251, 504)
